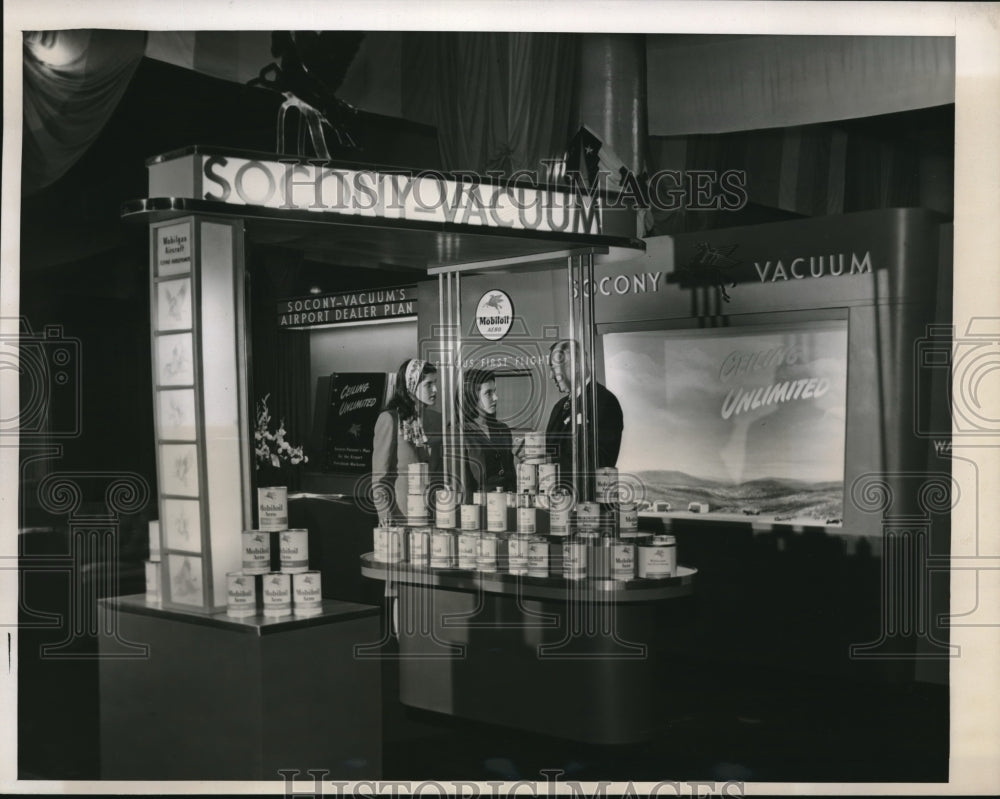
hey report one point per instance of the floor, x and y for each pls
(788, 729)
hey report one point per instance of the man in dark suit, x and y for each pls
(607, 414)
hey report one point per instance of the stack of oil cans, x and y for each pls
(538, 531)
(418, 485)
(579, 553)
(289, 589)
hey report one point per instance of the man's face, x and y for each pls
(559, 368)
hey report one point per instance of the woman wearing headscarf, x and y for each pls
(489, 449)
(406, 432)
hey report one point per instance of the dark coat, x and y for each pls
(489, 461)
(610, 423)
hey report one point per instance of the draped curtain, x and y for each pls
(498, 100)
(279, 358)
(806, 170)
(719, 83)
(73, 81)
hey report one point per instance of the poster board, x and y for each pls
(354, 401)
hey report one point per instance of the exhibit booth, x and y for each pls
(775, 467)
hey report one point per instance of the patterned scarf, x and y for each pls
(412, 430)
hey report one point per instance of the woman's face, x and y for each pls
(427, 390)
(488, 397)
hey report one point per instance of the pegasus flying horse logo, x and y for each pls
(711, 266)
(354, 430)
(495, 300)
(174, 300)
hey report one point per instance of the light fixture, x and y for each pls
(315, 290)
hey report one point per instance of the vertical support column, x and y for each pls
(583, 390)
(612, 83)
(572, 288)
(590, 375)
(580, 382)
(459, 376)
(200, 405)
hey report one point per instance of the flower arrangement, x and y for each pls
(272, 449)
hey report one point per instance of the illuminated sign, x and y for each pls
(426, 196)
(349, 307)
(494, 315)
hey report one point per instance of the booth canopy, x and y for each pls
(355, 215)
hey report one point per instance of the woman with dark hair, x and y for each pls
(406, 432)
(489, 448)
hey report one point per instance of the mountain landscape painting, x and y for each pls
(734, 421)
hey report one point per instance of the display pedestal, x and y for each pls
(221, 698)
(583, 660)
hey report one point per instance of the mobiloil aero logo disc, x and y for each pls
(494, 315)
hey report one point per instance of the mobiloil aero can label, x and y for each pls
(380, 539)
(486, 557)
(394, 551)
(307, 593)
(153, 596)
(294, 545)
(517, 553)
(241, 594)
(442, 549)
(256, 552)
(628, 519)
(527, 478)
(388, 544)
(538, 557)
(588, 516)
(606, 479)
(277, 594)
(496, 511)
(446, 508)
(272, 508)
(658, 557)
(419, 549)
(548, 477)
(574, 560)
(472, 517)
(416, 508)
(534, 445)
(560, 510)
(623, 560)
(417, 477)
(468, 549)
(525, 515)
